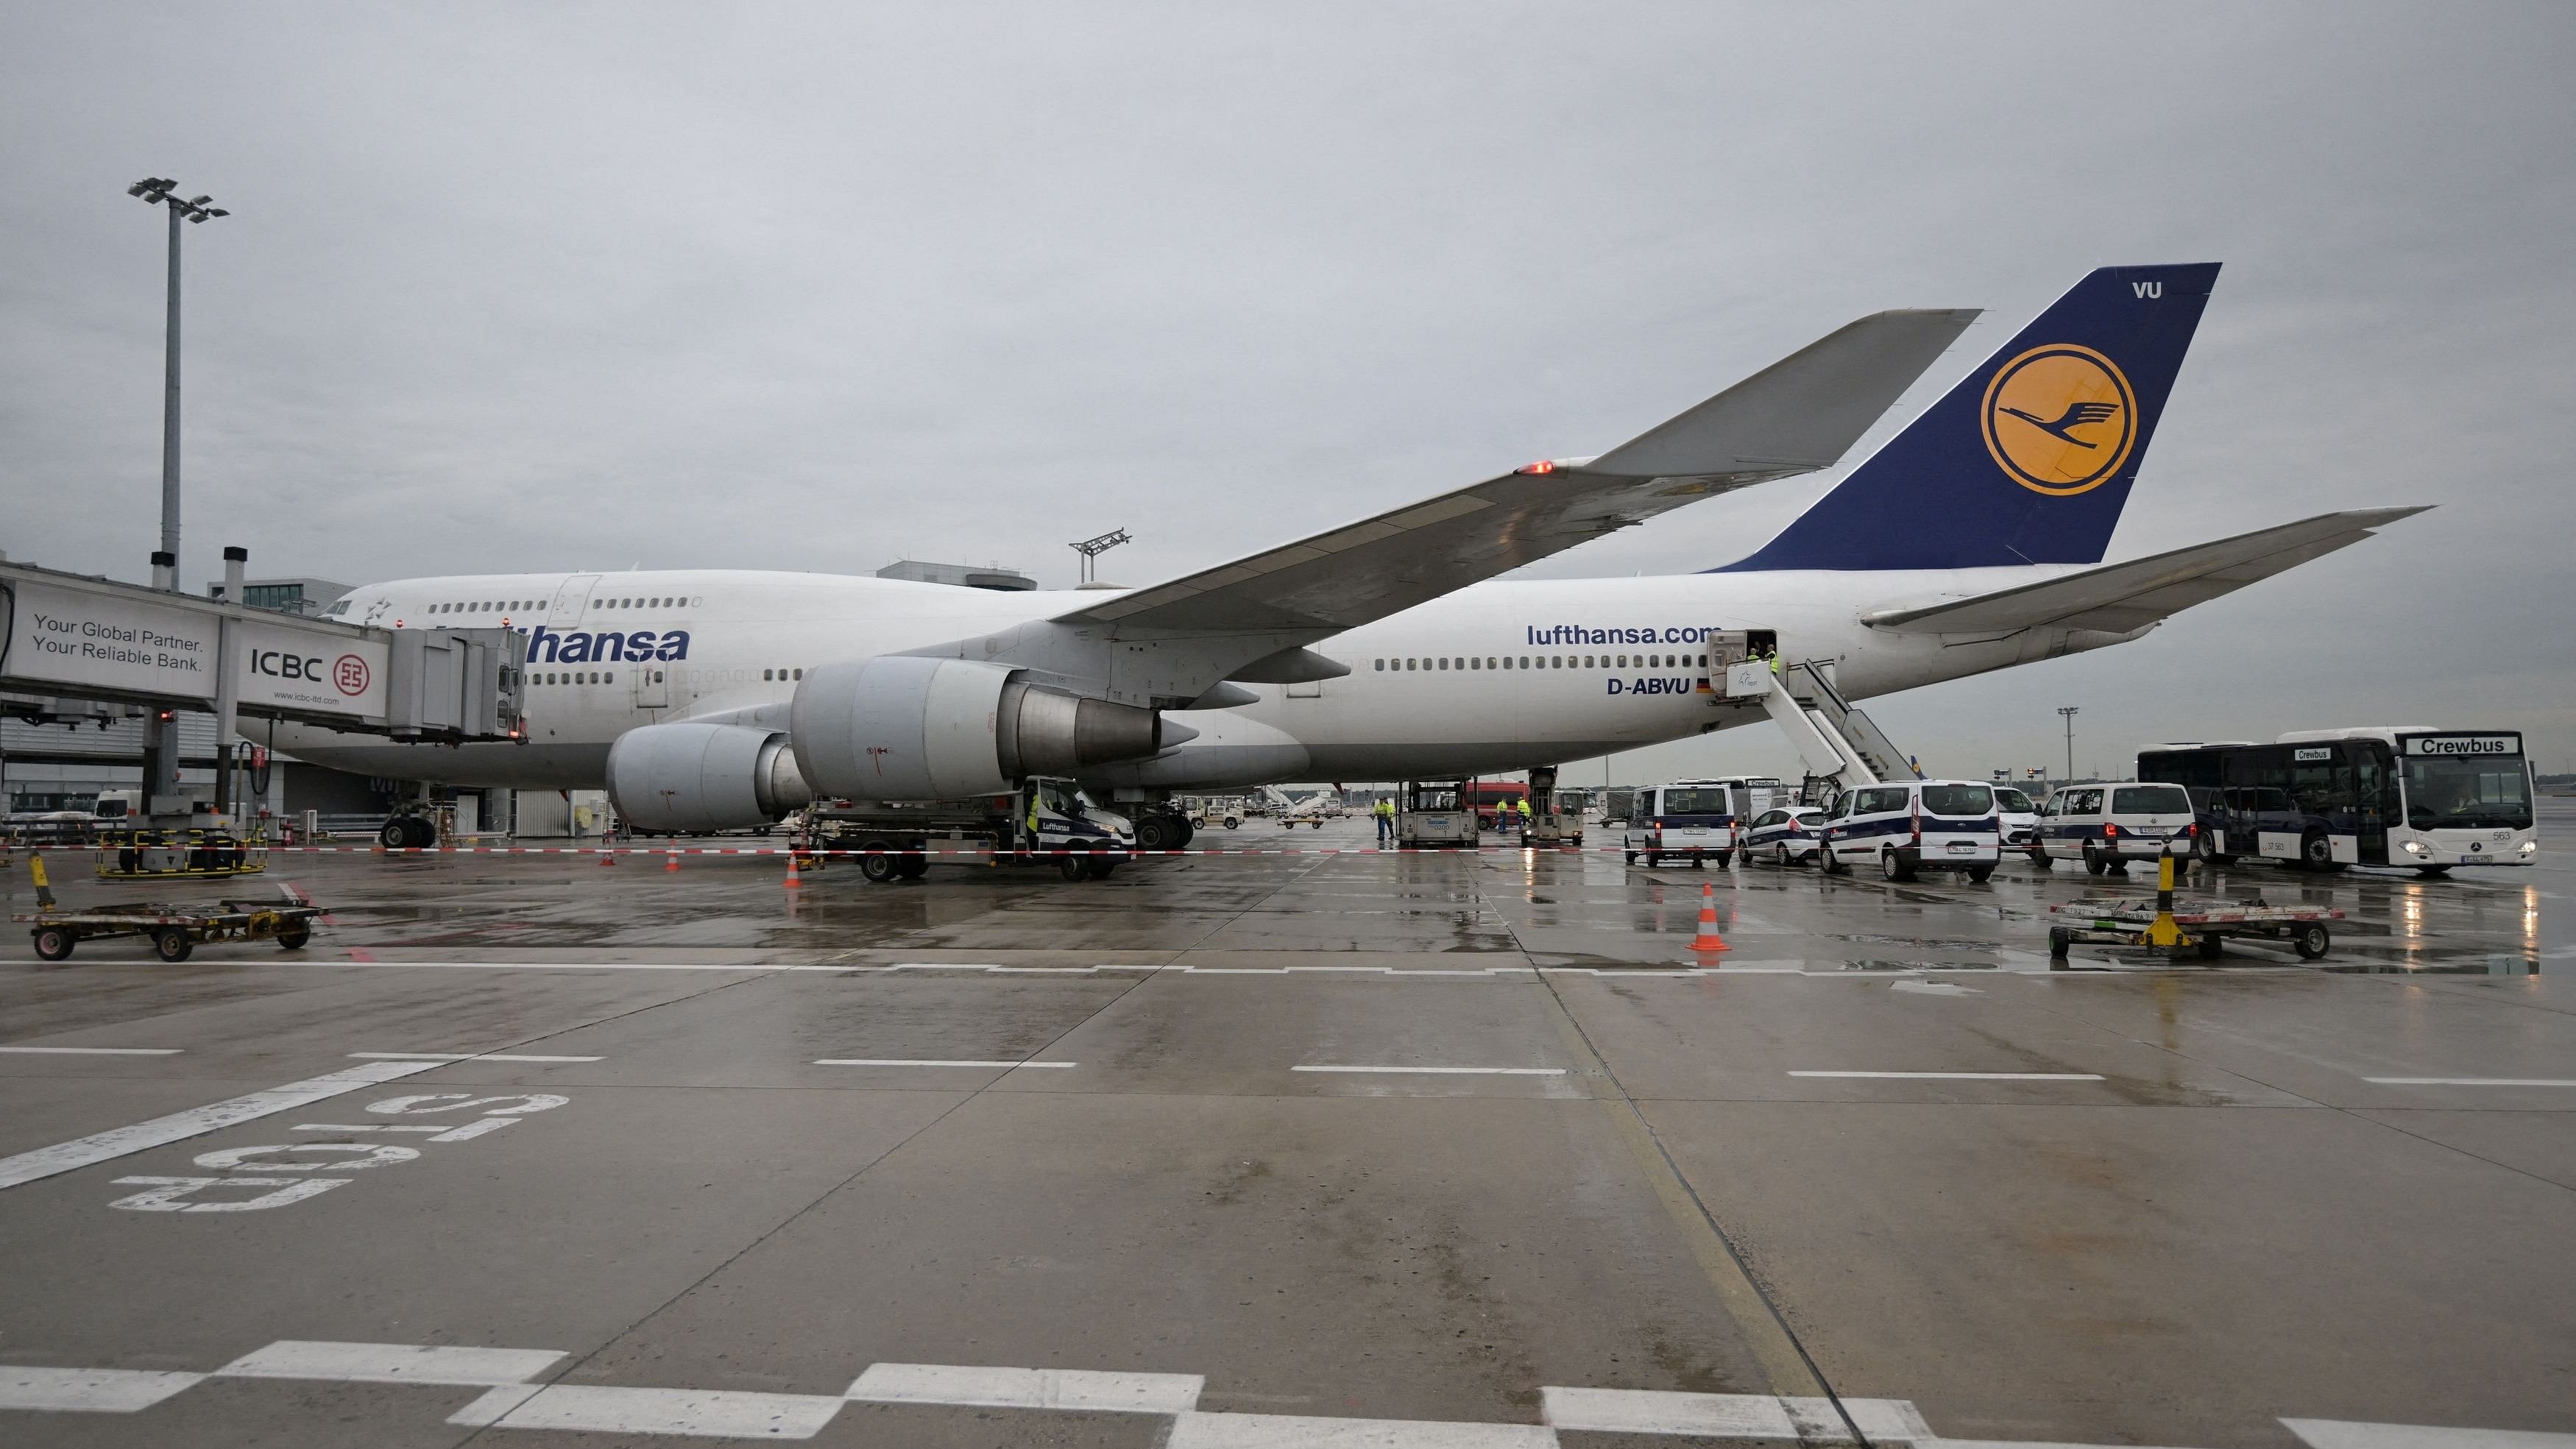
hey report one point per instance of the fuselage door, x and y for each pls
(571, 598)
(652, 686)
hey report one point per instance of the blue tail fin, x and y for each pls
(2028, 459)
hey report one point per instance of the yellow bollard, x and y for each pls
(36, 873)
(2163, 932)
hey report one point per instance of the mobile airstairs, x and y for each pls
(1840, 747)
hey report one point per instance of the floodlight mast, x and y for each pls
(162, 775)
(1092, 548)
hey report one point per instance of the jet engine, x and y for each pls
(898, 727)
(684, 776)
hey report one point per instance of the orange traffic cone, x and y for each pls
(672, 861)
(793, 883)
(1708, 939)
(608, 857)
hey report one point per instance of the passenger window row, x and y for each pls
(581, 676)
(1551, 661)
(782, 673)
(513, 606)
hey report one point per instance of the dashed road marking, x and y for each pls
(1438, 1071)
(1964, 1076)
(92, 1051)
(709, 1413)
(1803, 1420)
(461, 1057)
(91, 1391)
(2471, 1082)
(391, 1363)
(2340, 1434)
(904, 1062)
(195, 1122)
(1025, 1388)
(1285, 1431)
(513, 1400)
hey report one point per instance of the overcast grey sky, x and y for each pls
(819, 286)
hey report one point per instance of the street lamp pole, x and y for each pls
(161, 737)
(2068, 713)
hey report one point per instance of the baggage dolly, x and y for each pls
(2171, 926)
(175, 929)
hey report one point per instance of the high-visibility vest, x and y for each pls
(1525, 810)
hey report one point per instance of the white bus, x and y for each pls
(2398, 795)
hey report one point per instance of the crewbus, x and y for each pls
(2405, 796)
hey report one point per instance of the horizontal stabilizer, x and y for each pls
(1795, 416)
(2118, 598)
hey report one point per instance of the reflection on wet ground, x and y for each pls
(1458, 1140)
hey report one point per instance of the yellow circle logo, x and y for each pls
(2060, 419)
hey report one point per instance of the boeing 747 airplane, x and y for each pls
(1971, 541)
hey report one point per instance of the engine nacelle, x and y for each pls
(683, 776)
(898, 727)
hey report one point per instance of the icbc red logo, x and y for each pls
(350, 674)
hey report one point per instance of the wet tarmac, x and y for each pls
(1285, 1148)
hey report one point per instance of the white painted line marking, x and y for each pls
(391, 1363)
(1283, 1431)
(460, 1057)
(904, 1062)
(1732, 1416)
(93, 1051)
(1441, 1071)
(2338, 1434)
(2468, 1082)
(495, 1402)
(1637, 1411)
(713, 1413)
(1965, 1076)
(95, 1391)
(195, 1122)
(1027, 1388)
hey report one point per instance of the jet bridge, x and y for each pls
(1835, 741)
(75, 648)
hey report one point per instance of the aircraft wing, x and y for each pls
(2117, 598)
(1795, 416)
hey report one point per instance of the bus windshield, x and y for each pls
(2467, 794)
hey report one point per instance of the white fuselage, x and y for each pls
(1500, 676)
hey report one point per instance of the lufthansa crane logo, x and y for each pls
(2060, 419)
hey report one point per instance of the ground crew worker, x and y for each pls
(1033, 817)
(1774, 656)
(1384, 810)
(1525, 815)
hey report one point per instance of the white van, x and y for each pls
(1915, 825)
(2107, 826)
(2018, 817)
(1690, 819)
